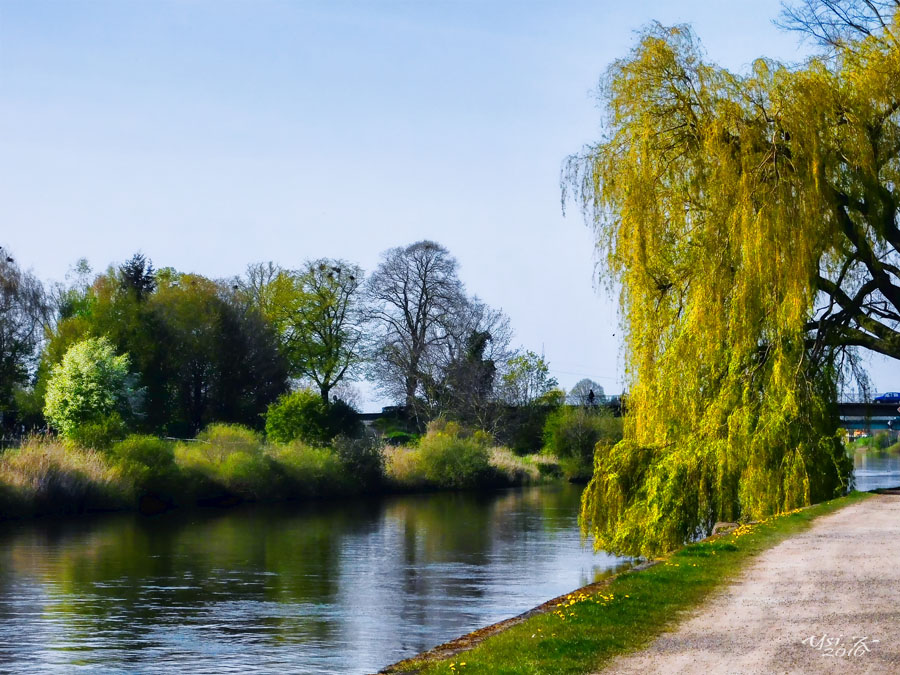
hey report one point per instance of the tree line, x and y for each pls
(189, 350)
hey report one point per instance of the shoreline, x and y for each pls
(517, 639)
(465, 642)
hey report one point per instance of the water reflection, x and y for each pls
(332, 588)
(876, 469)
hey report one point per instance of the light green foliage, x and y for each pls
(309, 471)
(89, 384)
(227, 456)
(527, 379)
(304, 415)
(316, 312)
(721, 203)
(229, 461)
(572, 433)
(149, 464)
(447, 456)
(455, 457)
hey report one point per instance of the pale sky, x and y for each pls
(209, 134)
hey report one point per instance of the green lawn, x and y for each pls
(588, 629)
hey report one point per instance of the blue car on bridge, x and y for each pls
(888, 397)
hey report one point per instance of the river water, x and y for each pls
(876, 470)
(339, 587)
(332, 588)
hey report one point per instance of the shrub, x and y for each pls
(307, 471)
(572, 433)
(87, 387)
(514, 469)
(99, 434)
(149, 463)
(219, 441)
(303, 415)
(454, 457)
(403, 467)
(361, 458)
(224, 460)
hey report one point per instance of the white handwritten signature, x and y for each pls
(836, 647)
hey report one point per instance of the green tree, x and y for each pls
(23, 316)
(752, 224)
(318, 313)
(527, 379)
(529, 393)
(90, 384)
(200, 354)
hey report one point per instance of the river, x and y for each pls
(332, 587)
(874, 470)
(328, 588)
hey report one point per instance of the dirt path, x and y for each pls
(839, 579)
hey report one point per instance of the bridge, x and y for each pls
(868, 417)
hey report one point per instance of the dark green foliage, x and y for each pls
(522, 426)
(396, 437)
(305, 416)
(199, 356)
(23, 311)
(100, 434)
(149, 463)
(137, 276)
(361, 458)
(572, 432)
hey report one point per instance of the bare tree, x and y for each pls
(258, 287)
(836, 23)
(414, 301)
(580, 394)
(462, 384)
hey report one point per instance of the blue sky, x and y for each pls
(212, 134)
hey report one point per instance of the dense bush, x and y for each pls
(362, 458)
(99, 434)
(87, 388)
(404, 468)
(572, 433)
(455, 457)
(225, 460)
(522, 427)
(303, 415)
(307, 471)
(149, 464)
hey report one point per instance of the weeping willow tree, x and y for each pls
(751, 224)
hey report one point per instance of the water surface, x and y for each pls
(876, 469)
(332, 588)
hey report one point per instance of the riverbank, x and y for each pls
(228, 465)
(588, 628)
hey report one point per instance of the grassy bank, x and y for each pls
(229, 464)
(587, 628)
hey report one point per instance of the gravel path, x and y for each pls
(838, 580)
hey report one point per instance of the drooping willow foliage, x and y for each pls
(744, 219)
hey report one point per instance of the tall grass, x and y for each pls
(47, 476)
(228, 463)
